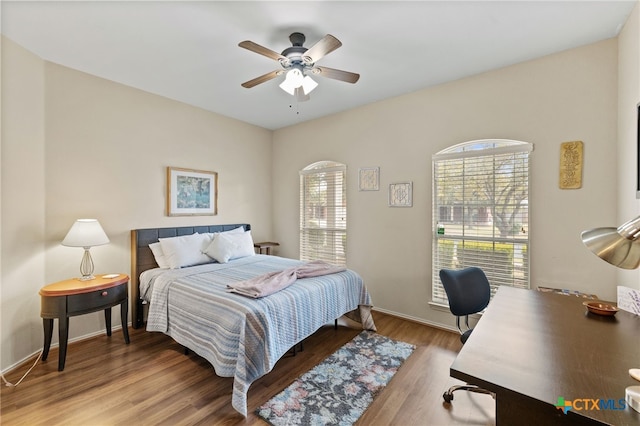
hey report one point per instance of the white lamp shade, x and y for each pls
(85, 233)
(292, 81)
(308, 84)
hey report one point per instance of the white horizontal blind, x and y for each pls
(323, 213)
(481, 212)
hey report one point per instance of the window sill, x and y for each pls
(439, 306)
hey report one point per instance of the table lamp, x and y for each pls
(620, 247)
(86, 233)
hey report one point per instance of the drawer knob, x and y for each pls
(104, 293)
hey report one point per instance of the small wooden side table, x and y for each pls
(266, 246)
(73, 297)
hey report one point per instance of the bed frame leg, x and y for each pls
(295, 349)
(137, 318)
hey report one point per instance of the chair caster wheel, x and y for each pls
(448, 397)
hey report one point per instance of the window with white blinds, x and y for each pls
(481, 212)
(323, 212)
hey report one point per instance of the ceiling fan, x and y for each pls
(298, 62)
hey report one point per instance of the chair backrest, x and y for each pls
(468, 290)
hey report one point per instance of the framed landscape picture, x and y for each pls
(191, 192)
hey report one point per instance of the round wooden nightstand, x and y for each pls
(73, 297)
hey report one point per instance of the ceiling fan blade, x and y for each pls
(258, 80)
(300, 96)
(345, 76)
(322, 48)
(254, 47)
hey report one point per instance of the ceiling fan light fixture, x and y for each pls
(308, 84)
(292, 81)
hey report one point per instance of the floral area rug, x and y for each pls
(339, 389)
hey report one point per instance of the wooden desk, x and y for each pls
(72, 297)
(532, 348)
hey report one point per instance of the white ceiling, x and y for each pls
(188, 51)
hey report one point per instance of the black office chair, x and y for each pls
(469, 292)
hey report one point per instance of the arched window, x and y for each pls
(323, 212)
(481, 212)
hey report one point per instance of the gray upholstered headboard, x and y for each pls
(142, 257)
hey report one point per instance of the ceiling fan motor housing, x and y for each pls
(295, 52)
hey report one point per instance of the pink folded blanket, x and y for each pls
(272, 282)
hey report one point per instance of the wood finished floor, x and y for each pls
(152, 382)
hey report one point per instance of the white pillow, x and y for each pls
(158, 254)
(186, 250)
(228, 246)
(238, 230)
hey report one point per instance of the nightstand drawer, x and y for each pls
(79, 303)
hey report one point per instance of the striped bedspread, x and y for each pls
(243, 337)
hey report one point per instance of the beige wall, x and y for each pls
(22, 264)
(568, 96)
(628, 98)
(106, 152)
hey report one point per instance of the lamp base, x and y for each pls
(86, 266)
(87, 278)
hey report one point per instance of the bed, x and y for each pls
(242, 337)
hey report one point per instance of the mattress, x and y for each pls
(240, 336)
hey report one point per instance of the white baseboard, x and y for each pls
(56, 345)
(418, 320)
